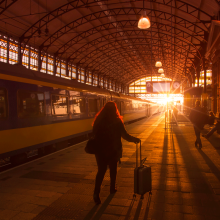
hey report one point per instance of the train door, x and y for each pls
(99, 102)
(104, 100)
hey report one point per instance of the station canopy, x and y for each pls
(103, 37)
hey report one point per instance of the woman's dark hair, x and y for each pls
(108, 112)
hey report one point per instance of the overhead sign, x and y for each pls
(163, 87)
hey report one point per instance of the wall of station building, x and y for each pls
(201, 78)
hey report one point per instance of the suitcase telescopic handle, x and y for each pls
(140, 153)
(141, 161)
(137, 154)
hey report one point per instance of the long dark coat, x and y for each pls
(198, 117)
(109, 136)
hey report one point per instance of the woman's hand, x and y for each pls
(137, 141)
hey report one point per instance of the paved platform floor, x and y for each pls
(186, 180)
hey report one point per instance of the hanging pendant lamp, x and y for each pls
(144, 21)
(158, 63)
(160, 70)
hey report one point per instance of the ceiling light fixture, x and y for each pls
(162, 75)
(160, 70)
(158, 63)
(144, 21)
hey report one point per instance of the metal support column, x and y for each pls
(198, 75)
(85, 76)
(29, 58)
(67, 68)
(54, 65)
(77, 73)
(98, 80)
(39, 60)
(92, 75)
(46, 62)
(8, 49)
(205, 73)
(19, 53)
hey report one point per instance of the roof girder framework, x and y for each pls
(102, 36)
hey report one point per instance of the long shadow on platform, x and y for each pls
(91, 213)
(158, 199)
(211, 165)
(214, 141)
(199, 183)
(129, 209)
(101, 210)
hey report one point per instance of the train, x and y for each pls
(41, 112)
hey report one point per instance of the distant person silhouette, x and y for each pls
(197, 118)
(175, 113)
(108, 128)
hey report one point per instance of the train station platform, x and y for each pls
(59, 186)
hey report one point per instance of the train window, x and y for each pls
(77, 106)
(3, 103)
(59, 105)
(30, 104)
(93, 106)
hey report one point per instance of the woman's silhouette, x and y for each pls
(108, 128)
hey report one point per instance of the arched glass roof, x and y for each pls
(102, 37)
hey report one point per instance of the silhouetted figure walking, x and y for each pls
(108, 128)
(197, 118)
(175, 113)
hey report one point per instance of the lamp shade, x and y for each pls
(162, 75)
(160, 70)
(158, 64)
(144, 22)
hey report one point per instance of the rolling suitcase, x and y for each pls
(142, 176)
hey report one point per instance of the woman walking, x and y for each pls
(108, 128)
